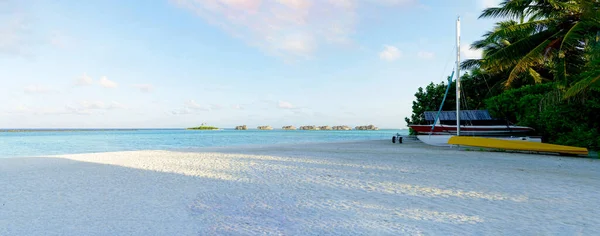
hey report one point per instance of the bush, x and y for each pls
(565, 122)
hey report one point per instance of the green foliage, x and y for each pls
(565, 122)
(540, 35)
(475, 88)
(428, 100)
(204, 127)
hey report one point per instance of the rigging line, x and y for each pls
(448, 60)
(442, 104)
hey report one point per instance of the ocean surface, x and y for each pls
(35, 143)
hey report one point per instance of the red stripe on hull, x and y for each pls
(476, 129)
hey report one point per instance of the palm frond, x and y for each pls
(509, 56)
(534, 57)
(521, 30)
(470, 64)
(583, 85)
(514, 9)
(536, 76)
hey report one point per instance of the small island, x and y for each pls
(366, 127)
(204, 127)
(309, 127)
(326, 127)
(241, 127)
(288, 127)
(267, 127)
(342, 127)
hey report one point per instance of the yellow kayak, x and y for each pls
(516, 145)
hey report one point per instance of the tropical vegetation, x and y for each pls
(540, 67)
(204, 127)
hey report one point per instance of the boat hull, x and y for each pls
(516, 145)
(487, 130)
(444, 140)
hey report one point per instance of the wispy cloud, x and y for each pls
(36, 89)
(145, 88)
(237, 107)
(289, 28)
(84, 80)
(390, 53)
(216, 107)
(105, 82)
(193, 105)
(59, 40)
(13, 31)
(99, 105)
(81, 108)
(218, 87)
(489, 3)
(181, 111)
(426, 55)
(468, 53)
(285, 105)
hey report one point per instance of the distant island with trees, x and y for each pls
(204, 127)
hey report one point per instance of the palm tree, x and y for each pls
(590, 78)
(552, 34)
(491, 44)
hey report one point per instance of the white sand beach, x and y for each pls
(361, 188)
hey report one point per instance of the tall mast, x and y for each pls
(458, 77)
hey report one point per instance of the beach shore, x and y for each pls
(358, 188)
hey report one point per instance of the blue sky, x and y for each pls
(179, 63)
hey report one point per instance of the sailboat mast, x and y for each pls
(458, 77)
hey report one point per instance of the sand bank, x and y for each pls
(362, 188)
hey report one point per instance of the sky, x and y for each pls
(180, 63)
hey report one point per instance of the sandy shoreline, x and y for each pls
(358, 188)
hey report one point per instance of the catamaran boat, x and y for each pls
(473, 123)
(446, 124)
(480, 124)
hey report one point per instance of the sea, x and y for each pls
(32, 143)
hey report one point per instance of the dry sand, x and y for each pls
(362, 188)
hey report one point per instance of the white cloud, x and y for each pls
(116, 105)
(145, 88)
(13, 30)
(38, 89)
(81, 108)
(489, 3)
(84, 80)
(181, 111)
(213, 87)
(68, 110)
(426, 55)
(216, 107)
(192, 105)
(93, 105)
(285, 105)
(77, 110)
(237, 107)
(468, 53)
(288, 28)
(60, 40)
(105, 82)
(390, 53)
(397, 2)
(99, 105)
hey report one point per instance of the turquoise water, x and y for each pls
(29, 144)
